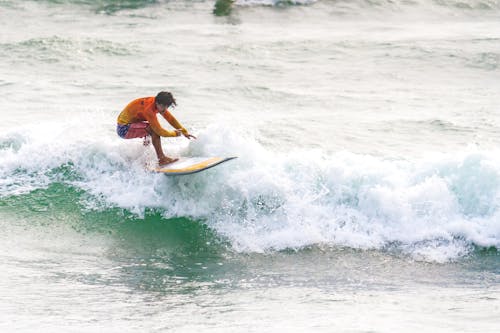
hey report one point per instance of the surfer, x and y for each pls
(138, 120)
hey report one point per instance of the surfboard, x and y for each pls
(189, 165)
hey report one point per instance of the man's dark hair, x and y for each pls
(165, 98)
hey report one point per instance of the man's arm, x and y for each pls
(172, 121)
(175, 124)
(156, 127)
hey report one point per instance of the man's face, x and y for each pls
(161, 108)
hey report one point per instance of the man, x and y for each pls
(138, 120)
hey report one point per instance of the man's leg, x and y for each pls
(156, 140)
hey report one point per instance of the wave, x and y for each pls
(388, 4)
(61, 50)
(357, 6)
(44, 209)
(276, 3)
(109, 6)
(437, 208)
(339, 7)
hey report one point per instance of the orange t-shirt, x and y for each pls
(144, 109)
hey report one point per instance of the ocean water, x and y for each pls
(366, 195)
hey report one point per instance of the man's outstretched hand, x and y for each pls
(187, 135)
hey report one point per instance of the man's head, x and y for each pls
(164, 100)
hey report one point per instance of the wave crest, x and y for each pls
(438, 208)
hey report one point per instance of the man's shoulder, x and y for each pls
(144, 101)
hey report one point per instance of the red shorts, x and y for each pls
(134, 130)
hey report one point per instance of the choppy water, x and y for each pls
(366, 195)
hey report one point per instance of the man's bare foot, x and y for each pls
(166, 160)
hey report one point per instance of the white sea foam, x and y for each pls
(433, 208)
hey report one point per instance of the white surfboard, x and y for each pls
(189, 165)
